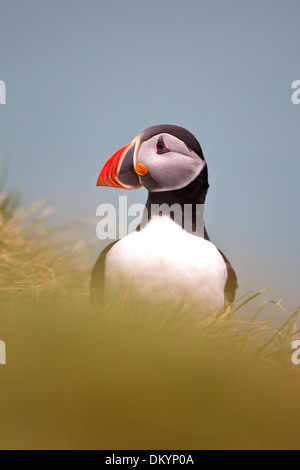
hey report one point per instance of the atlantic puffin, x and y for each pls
(163, 262)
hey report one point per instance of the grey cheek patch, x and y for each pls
(149, 183)
(171, 171)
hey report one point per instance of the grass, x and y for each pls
(127, 377)
(36, 262)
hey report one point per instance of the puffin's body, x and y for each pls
(167, 261)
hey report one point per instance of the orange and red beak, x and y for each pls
(119, 171)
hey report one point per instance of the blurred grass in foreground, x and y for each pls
(128, 378)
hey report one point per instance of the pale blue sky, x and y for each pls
(84, 77)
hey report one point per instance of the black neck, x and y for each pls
(193, 195)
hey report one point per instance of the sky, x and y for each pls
(84, 77)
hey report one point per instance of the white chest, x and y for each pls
(164, 264)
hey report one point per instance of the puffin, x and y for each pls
(167, 261)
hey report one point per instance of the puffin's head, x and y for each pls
(161, 158)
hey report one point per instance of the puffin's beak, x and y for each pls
(118, 171)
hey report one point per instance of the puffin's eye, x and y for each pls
(161, 146)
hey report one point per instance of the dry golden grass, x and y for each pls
(36, 261)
